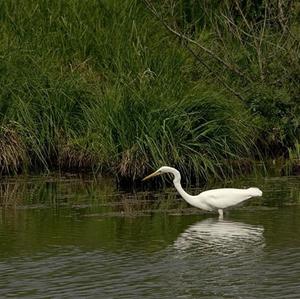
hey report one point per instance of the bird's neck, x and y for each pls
(177, 179)
(187, 197)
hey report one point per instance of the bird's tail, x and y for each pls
(253, 191)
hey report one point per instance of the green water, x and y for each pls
(70, 237)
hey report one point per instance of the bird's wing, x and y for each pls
(226, 197)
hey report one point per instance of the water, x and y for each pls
(68, 238)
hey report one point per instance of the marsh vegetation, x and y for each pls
(120, 87)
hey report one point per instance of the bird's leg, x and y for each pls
(220, 213)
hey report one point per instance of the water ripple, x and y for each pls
(57, 252)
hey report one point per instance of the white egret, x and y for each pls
(210, 200)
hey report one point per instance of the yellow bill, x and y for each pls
(151, 175)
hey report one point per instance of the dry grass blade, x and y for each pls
(13, 155)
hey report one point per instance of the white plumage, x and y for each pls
(216, 199)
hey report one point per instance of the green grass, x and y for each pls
(101, 86)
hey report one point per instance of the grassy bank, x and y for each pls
(103, 86)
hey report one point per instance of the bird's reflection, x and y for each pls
(220, 237)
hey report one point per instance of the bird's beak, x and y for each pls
(151, 175)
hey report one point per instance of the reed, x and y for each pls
(101, 86)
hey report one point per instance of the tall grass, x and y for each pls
(252, 48)
(101, 86)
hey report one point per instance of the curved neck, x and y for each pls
(177, 178)
(192, 200)
(180, 190)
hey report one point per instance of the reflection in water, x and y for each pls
(70, 238)
(220, 236)
(228, 259)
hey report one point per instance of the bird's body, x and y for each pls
(210, 200)
(227, 197)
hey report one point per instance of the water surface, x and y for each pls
(70, 237)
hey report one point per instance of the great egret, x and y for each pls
(216, 199)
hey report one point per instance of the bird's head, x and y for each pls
(162, 170)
